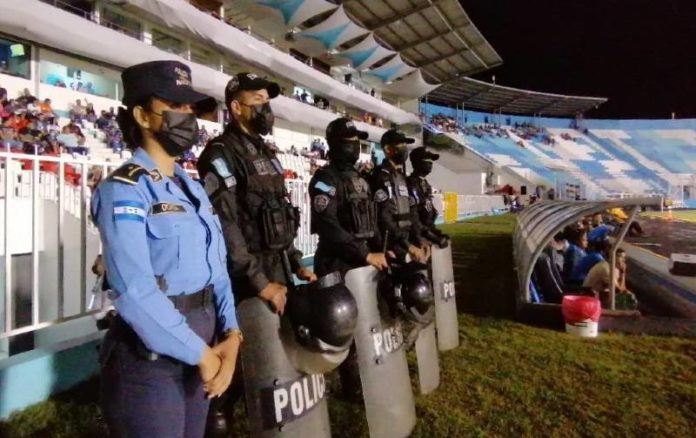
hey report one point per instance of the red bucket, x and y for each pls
(581, 315)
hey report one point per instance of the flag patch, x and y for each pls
(129, 211)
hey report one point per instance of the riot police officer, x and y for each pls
(165, 257)
(422, 195)
(343, 216)
(244, 180)
(394, 215)
(343, 212)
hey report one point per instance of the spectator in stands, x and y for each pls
(577, 239)
(304, 96)
(103, 121)
(46, 109)
(3, 68)
(78, 111)
(90, 114)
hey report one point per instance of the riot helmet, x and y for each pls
(323, 314)
(407, 291)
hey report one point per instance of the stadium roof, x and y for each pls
(492, 98)
(435, 36)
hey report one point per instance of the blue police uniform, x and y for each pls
(162, 244)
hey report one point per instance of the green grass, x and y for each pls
(682, 215)
(506, 379)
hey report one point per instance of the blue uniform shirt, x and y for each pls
(157, 243)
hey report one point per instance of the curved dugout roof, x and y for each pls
(483, 96)
(435, 36)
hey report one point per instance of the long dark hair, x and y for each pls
(132, 135)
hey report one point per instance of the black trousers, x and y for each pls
(161, 398)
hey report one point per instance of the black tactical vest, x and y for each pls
(397, 189)
(356, 212)
(423, 194)
(269, 220)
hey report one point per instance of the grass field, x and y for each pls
(506, 379)
(682, 215)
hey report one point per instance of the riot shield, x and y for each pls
(446, 321)
(389, 404)
(428, 360)
(281, 401)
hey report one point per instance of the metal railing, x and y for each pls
(72, 198)
(36, 179)
(91, 16)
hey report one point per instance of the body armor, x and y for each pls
(270, 220)
(356, 210)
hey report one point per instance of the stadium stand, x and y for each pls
(609, 161)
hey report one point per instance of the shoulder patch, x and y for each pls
(166, 207)
(322, 186)
(221, 167)
(129, 173)
(320, 203)
(128, 210)
(381, 195)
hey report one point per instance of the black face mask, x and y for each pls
(262, 118)
(346, 153)
(400, 155)
(178, 132)
(423, 168)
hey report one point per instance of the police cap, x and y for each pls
(421, 154)
(342, 128)
(249, 82)
(168, 80)
(393, 136)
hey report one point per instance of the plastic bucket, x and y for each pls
(581, 315)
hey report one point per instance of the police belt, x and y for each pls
(183, 303)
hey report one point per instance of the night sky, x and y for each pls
(641, 54)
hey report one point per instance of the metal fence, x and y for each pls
(66, 185)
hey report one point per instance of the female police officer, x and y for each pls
(166, 262)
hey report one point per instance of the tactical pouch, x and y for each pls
(363, 217)
(279, 222)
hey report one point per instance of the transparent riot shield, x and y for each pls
(446, 321)
(389, 404)
(427, 359)
(281, 401)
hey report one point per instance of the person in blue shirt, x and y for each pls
(597, 251)
(577, 245)
(174, 343)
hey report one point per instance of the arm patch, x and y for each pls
(129, 173)
(320, 203)
(322, 186)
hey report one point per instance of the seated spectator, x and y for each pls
(78, 111)
(577, 240)
(90, 114)
(597, 251)
(47, 110)
(18, 120)
(599, 280)
(103, 121)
